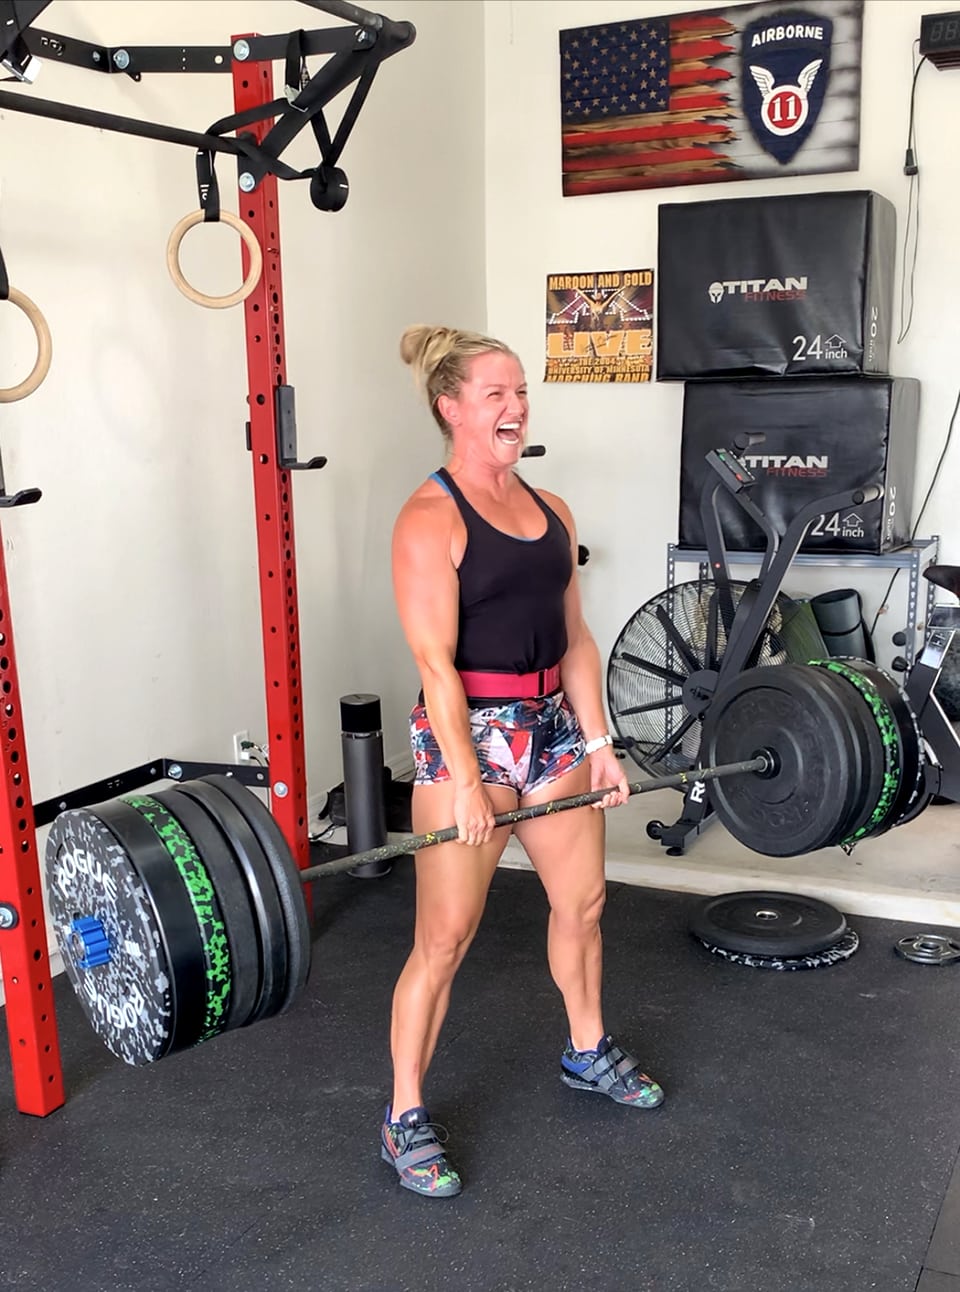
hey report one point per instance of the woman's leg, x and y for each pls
(452, 884)
(567, 852)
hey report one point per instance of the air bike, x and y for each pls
(709, 666)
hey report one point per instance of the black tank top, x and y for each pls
(511, 592)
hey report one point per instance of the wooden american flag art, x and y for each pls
(745, 92)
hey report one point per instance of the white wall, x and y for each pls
(133, 583)
(614, 451)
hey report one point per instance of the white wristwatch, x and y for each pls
(598, 742)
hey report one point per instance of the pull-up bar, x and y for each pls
(356, 54)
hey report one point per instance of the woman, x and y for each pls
(484, 571)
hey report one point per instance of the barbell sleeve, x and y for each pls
(415, 842)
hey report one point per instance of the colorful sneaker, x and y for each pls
(608, 1070)
(414, 1147)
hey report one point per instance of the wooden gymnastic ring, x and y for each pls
(191, 293)
(11, 394)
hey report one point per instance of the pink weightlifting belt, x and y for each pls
(511, 686)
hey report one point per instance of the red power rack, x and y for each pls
(273, 494)
(31, 1022)
(24, 959)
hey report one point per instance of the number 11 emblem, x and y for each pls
(785, 70)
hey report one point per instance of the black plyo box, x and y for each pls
(775, 286)
(822, 436)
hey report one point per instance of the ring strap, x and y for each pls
(208, 190)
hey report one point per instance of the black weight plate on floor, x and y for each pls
(127, 995)
(243, 939)
(912, 749)
(842, 950)
(795, 712)
(206, 908)
(260, 887)
(174, 915)
(768, 924)
(287, 877)
(879, 748)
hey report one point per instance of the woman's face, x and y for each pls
(488, 418)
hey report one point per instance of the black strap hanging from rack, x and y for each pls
(303, 103)
(208, 190)
(300, 94)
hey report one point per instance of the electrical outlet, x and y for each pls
(239, 738)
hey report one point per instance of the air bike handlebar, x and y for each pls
(731, 474)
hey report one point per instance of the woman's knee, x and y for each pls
(579, 912)
(442, 944)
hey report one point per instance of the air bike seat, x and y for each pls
(944, 576)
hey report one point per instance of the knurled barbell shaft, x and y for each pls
(414, 842)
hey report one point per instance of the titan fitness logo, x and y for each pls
(759, 289)
(809, 465)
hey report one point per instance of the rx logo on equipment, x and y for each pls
(784, 74)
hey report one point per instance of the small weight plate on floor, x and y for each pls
(109, 938)
(173, 912)
(929, 949)
(768, 924)
(797, 714)
(261, 889)
(912, 749)
(841, 950)
(882, 758)
(287, 877)
(230, 887)
(206, 908)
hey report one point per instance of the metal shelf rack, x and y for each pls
(913, 557)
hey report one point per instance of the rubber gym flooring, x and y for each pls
(809, 1140)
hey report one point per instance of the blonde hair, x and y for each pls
(440, 358)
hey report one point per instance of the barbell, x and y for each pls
(180, 914)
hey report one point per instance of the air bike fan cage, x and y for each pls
(256, 134)
(675, 667)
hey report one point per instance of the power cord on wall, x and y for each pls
(911, 167)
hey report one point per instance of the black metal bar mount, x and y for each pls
(135, 778)
(136, 61)
(355, 55)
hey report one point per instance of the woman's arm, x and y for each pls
(581, 678)
(427, 595)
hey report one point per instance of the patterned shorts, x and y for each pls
(524, 744)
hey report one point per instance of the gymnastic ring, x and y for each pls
(11, 394)
(191, 293)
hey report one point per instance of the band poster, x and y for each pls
(600, 326)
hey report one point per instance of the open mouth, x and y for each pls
(508, 432)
